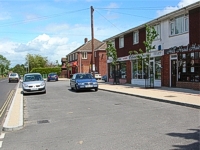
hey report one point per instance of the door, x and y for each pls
(173, 73)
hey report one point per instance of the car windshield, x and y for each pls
(84, 76)
(13, 74)
(32, 78)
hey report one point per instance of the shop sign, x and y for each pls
(176, 49)
(156, 53)
(123, 58)
(132, 57)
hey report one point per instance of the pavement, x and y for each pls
(177, 96)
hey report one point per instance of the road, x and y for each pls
(66, 120)
(6, 93)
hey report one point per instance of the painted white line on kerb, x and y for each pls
(1, 143)
(2, 135)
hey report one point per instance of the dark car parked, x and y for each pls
(104, 78)
(81, 81)
(52, 76)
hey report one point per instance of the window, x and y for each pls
(157, 29)
(179, 25)
(76, 55)
(119, 71)
(84, 55)
(121, 42)
(138, 69)
(113, 43)
(189, 66)
(135, 37)
(73, 55)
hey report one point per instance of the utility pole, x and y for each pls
(92, 33)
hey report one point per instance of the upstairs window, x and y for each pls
(179, 25)
(121, 42)
(157, 29)
(113, 43)
(76, 55)
(84, 55)
(135, 37)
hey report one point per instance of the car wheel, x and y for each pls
(76, 88)
(45, 92)
(72, 88)
(96, 89)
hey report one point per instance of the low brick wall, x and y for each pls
(188, 85)
(121, 81)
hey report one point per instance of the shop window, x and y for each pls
(120, 70)
(158, 68)
(189, 67)
(138, 69)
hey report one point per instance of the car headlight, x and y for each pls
(25, 85)
(81, 83)
(42, 84)
(95, 83)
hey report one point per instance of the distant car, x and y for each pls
(13, 77)
(104, 78)
(33, 83)
(81, 81)
(52, 76)
(96, 75)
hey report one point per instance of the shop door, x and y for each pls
(173, 73)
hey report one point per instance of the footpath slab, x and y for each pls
(14, 118)
(175, 97)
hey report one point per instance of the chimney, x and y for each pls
(85, 40)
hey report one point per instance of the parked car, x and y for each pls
(81, 81)
(13, 77)
(52, 76)
(104, 78)
(33, 83)
(96, 75)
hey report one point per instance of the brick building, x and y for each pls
(175, 61)
(80, 60)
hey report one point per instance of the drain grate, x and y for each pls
(170, 96)
(43, 121)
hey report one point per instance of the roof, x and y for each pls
(189, 7)
(98, 45)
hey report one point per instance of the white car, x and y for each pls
(13, 77)
(33, 83)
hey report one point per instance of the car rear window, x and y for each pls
(13, 74)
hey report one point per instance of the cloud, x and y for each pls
(181, 4)
(54, 48)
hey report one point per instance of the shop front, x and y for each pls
(185, 66)
(119, 71)
(147, 74)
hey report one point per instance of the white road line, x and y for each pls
(1, 142)
(2, 135)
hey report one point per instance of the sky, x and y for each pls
(54, 28)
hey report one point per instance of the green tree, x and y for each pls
(151, 34)
(35, 61)
(4, 65)
(20, 69)
(112, 54)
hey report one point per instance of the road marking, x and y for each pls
(10, 96)
(1, 142)
(80, 142)
(2, 135)
(70, 112)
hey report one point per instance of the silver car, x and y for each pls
(33, 83)
(13, 77)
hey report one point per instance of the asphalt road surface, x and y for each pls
(65, 120)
